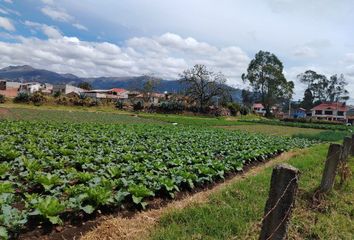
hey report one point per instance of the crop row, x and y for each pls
(50, 170)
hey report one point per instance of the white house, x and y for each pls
(33, 87)
(66, 89)
(333, 111)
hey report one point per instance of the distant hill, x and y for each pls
(29, 74)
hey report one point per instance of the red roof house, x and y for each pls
(332, 111)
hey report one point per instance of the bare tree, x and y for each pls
(203, 85)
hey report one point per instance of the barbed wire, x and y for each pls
(330, 156)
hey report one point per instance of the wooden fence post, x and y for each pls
(331, 165)
(347, 149)
(352, 145)
(281, 198)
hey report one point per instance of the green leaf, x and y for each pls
(88, 209)
(3, 233)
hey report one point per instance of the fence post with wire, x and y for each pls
(279, 205)
(331, 166)
(352, 152)
(347, 147)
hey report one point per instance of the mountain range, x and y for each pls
(27, 73)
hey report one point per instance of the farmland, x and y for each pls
(52, 172)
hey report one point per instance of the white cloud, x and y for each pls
(135, 57)
(3, 11)
(57, 14)
(305, 51)
(6, 24)
(49, 31)
(9, 1)
(80, 26)
(48, 2)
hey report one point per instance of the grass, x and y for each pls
(236, 211)
(203, 121)
(39, 114)
(275, 130)
(324, 136)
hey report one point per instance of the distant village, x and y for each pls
(329, 111)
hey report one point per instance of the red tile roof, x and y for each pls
(118, 90)
(258, 105)
(331, 106)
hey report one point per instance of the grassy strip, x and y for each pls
(77, 116)
(235, 212)
(325, 136)
(203, 121)
(273, 130)
(340, 127)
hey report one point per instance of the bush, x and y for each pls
(57, 94)
(138, 106)
(38, 99)
(119, 104)
(234, 108)
(244, 110)
(172, 106)
(22, 98)
(2, 98)
(62, 100)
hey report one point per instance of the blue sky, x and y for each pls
(164, 37)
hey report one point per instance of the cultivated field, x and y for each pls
(63, 168)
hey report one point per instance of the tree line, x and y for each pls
(265, 76)
(269, 86)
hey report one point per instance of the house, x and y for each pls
(332, 111)
(350, 116)
(258, 108)
(114, 93)
(65, 89)
(33, 87)
(120, 92)
(299, 113)
(9, 89)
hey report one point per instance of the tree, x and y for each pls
(247, 97)
(265, 75)
(336, 89)
(316, 83)
(307, 102)
(324, 89)
(203, 85)
(149, 86)
(85, 86)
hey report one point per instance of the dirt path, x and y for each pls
(141, 224)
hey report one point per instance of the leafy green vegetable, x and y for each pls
(49, 208)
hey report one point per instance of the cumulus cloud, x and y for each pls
(166, 56)
(49, 31)
(6, 24)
